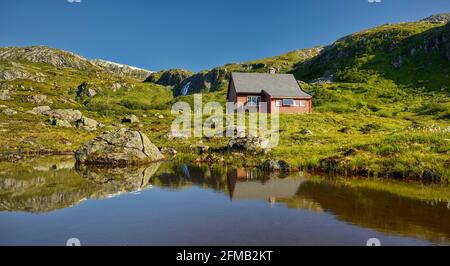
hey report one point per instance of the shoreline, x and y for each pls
(187, 158)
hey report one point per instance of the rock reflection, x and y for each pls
(41, 187)
(45, 187)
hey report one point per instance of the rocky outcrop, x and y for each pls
(42, 54)
(203, 82)
(87, 89)
(173, 77)
(61, 59)
(11, 74)
(121, 147)
(122, 70)
(447, 40)
(69, 115)
(437, 18)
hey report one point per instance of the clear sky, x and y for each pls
(196, 34)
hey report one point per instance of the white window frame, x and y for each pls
(253, 101)
(302, 103)
(279, 103)
(289, 105)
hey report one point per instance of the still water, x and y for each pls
(48, 201)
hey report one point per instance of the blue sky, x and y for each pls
(195, 34)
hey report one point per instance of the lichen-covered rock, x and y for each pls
(87, 89)
(64, 114)
(176, 135)
(130, 119)
(274, 166)
(88, 124)
(59, 122)
(40, 109)
(5, 95)
(9, 112)
(248, 143)
(38, 99)
(121, 147)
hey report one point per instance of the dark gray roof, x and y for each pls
(278, 85)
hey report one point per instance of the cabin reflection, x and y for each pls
(252, 184)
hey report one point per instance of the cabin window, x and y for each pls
(253, 100)
(278, 103)
(299, 103)
(288, 102)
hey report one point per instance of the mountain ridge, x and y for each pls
(65, 59)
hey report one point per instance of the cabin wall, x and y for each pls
(232, 93)
(292, 109)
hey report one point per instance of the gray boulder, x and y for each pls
(248, 143)
(87, 89)
(59, 122)
(130, 119)
(274, 166)
(9, 112)
(38, 99)
(88, 124)
(5, 95)
(121, 147)
(64, 114)
(40, 109)
(306, 132)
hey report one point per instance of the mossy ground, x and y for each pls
(396, 120)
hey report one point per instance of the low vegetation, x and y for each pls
(381, 106)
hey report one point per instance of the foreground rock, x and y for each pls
(121, 147)
(249, 144)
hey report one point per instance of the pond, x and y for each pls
(48, 201)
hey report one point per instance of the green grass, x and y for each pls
(397, 119)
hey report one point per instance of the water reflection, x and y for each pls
(45, 187)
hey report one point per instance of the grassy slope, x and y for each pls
(376, 102)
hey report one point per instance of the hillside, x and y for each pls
(381, 102)
(217, 78)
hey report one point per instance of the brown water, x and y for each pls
(48, 202)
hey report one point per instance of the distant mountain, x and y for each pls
(63, 59)
(46, 55)
(122, 70)
(438, 18)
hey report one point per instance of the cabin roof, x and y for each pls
(276, 85)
